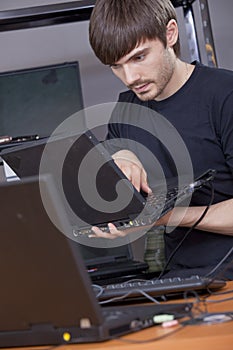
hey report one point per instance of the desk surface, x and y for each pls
(201, 337)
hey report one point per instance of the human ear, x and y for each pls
(172, 33)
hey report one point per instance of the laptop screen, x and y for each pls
(36, 100)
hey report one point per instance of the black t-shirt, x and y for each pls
(190, 130)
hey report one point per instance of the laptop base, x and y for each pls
(142, 316)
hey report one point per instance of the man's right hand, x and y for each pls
(133, 169)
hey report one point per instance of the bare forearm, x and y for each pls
(218, 219)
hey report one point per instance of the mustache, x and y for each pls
(138, 83)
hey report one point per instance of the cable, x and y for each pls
(188, 232)
(220, 293)
(210, 318)
(220, 263)
(218, 301)
(146, 295)
(200, 314)
(100, 290)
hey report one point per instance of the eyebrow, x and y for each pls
(138, 53)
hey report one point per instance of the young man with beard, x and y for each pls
(139, 40)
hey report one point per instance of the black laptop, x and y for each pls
(104, 263)
(108, 265)
(93, 189)
(46, 296)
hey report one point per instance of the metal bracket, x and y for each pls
(208, 35)
(191, 33)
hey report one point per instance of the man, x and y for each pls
(139, 40)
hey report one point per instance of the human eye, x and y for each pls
(114, 66)
(139, 58)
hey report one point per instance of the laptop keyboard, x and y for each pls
(155, 287)
(161, 201)
(156, 204)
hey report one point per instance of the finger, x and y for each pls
(133, 175)
(112, 234)
(136, 177)
(127, 171)
(144, 183)
(115, 232)
(98, 233)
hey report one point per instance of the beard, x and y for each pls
(158, 84)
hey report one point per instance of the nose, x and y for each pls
(131, 75)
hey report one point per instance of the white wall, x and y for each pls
(55, 44)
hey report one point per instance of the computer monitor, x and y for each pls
(35, 101)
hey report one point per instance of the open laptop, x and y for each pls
(93, 188)
(46, 296)
(104, 264)
(107, 265)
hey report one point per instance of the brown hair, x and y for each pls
(118, 26)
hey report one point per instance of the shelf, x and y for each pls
(48, 15)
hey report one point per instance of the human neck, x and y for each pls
(181, 74)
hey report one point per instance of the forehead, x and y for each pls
(141, 46)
